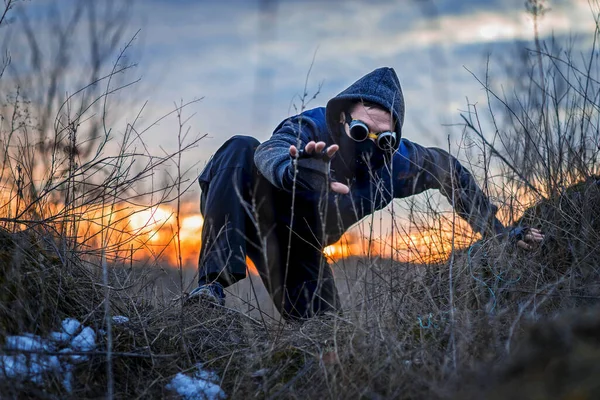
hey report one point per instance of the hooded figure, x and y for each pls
(272, 201)
(380, 87)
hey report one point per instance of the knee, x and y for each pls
(240, 143)
(238, 151)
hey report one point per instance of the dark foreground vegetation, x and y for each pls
(520, 325)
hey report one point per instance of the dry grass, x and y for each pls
(394, 341)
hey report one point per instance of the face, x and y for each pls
(377, 120)
(367, 151)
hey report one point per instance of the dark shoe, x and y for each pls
(209, 292)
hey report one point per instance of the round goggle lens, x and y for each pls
(386, 141)
(359, 131)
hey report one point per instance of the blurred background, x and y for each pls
(243, 66)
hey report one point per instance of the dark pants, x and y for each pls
(245, 215)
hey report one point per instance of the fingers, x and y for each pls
(339, 188)
(524, 245)
(310, 147)
(532, 239)
(534, 235)
(318, 147)
(331, 150)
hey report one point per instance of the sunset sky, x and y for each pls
(249, 59)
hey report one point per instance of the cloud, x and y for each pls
(250, 66)
(352, 32)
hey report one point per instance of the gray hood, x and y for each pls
(380, 87)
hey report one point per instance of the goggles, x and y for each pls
(359, 132)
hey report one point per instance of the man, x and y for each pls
(281, 202)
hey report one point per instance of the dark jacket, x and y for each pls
(414, 168)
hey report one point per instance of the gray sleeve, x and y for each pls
(434, 168)
(272, 157)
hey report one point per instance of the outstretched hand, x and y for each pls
(527, 238)
(317, 149)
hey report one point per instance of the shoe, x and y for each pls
(208, 292)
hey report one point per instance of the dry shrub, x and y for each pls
(400, 335)
(36, 291)
(571, 222)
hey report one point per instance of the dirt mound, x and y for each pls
(540, 309)
(556, 359)
(562, 273)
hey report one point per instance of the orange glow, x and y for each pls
(251, 267)
(154, 231)
(192, 223)
(130, 234)
(424, 245)
(133, 234)
(157, 230)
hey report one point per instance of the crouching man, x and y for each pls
(282, 201)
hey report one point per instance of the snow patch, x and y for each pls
(84, 342)
(31, 367)
(120, 319)
(70, 326)
(30, 362)
(201, 386)
(26, 343)
(59, 337)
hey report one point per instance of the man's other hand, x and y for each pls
(527, 238)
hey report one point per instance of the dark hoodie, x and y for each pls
(411, 170)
